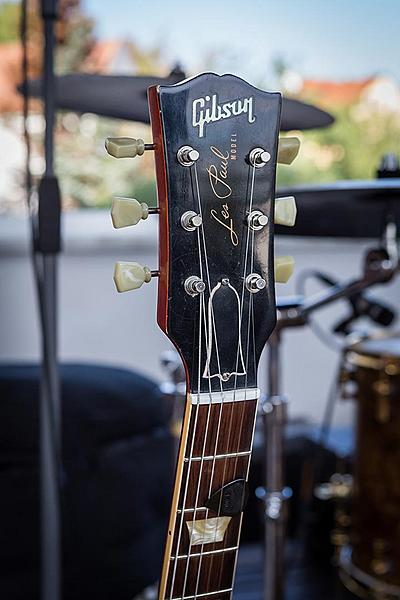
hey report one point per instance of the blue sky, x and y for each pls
(335, 39)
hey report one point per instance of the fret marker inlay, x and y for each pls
(207, 531)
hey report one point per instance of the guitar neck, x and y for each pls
(209, 496)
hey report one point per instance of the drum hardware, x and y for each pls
(369, 561)
(360, 583)
(339, 489)
(380, 266)
(347, 384)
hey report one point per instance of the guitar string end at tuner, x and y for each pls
(124, 147)
(194, 285)
(191, 221)
(131, 276)
(187, 156)
(284, 266)
(128, 211)
(255, 283)
(259, 157)
(285, 211)
(288, 149)
(256, 220)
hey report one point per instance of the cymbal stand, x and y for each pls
(275, 494)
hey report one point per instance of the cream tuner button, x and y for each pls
(285, 211)
(288, 149)
(284, 266)
(131, 276)
(124, 147)
(127, 211)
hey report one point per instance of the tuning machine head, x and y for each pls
(128, 211)
(285, 211)
(131, 276)
(284, 267)
(124, 147)
(288, 149)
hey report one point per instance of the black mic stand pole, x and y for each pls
(47, 247)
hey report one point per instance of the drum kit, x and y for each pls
(369, 558)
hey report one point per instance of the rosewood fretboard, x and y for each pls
(215, 450)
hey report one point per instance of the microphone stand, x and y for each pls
(380, 267)
(46, 247)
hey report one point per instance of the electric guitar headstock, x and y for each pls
(216, 144)
(215, 140)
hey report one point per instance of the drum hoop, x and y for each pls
(364, 579)
(389, 365)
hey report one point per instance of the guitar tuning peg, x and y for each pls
(284, 266)
(288, 149)
(124, 147)
(128, 211)
(285, 211)
(131, 276)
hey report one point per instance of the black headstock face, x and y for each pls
(213, 231)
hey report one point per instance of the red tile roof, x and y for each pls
(332, 93)
(101, 55)
(11, 75)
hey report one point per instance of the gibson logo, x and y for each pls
(208, 110)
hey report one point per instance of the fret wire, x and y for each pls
(217, 456)
(225, 591)
(188, 510)
(197, 554)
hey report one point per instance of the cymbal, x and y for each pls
(125, 97)
(352, 209)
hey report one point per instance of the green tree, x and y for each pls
(9, 21)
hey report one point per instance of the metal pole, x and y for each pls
(50, 426)
(274, 494)
(47, 248)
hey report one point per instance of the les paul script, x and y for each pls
(218, 177)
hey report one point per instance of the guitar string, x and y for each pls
(209, 383)
(189, 463)
(210, 392)
(254, 419)
(230, 428)
(200, 241)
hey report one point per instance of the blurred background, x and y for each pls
(342, 57)
(335, 55)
